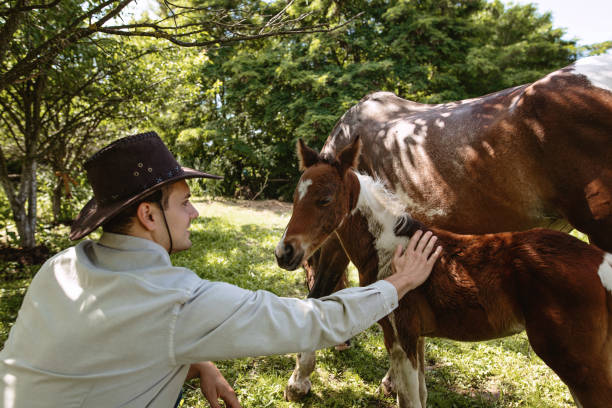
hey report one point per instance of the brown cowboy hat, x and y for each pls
(124, 172)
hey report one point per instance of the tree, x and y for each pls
(201, 23)
(51, 119)
(263, 95)
(44, 45)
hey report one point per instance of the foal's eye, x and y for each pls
(324, 201)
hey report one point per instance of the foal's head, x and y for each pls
(325, 194)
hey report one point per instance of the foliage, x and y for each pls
(197, 23)
(67, 80)
(260, 97)
(233, 243)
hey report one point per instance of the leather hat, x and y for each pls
(124, 172)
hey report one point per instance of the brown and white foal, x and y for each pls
(550, 284)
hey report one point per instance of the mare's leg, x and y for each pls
(299, 384)
(591, 212)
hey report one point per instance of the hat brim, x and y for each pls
(92, 215)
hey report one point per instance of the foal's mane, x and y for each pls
(375, 195)
(385, 213)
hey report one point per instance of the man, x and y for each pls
(113, 324)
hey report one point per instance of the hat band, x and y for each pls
(108, 198)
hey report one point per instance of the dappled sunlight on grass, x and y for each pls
(504, 372)
(241, 254)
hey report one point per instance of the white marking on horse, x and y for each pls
(299, 384)
(597, 69)
(405, 375)
(302, 188)
(605, 272)
(382, 209)
(413, 206)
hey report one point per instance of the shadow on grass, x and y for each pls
(518, 344)
(438, 397)
(368, 366)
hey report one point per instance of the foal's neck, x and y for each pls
(377, 211)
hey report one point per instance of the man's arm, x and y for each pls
(223, 321)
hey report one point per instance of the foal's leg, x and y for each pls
(387, 385)
(568, 317)
(406, 372)
(299, 384)
(404, 368)
(421, 360)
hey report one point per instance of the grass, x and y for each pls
(234, 243)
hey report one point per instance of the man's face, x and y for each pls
(179, 213)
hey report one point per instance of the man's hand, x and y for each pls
(213, 385)
(413, 267)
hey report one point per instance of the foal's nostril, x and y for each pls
(289, 251)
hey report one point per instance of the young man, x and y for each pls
(112, 323)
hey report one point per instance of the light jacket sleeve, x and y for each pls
(222, 321)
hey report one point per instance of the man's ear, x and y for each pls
(349, 156)
(146, 216)
(306, 155)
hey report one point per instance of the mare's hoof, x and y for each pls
(297, 391)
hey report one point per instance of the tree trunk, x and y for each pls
(24, 209)
(56, 201)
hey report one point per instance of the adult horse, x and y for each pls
(537, 155)
(548, 283)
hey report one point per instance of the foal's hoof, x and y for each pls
(387, 386)
(295, 391)
(344, 346)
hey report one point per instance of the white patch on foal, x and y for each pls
(597, 69)
(605, 272)
(382, 209)
(405, 375)
(302, 188)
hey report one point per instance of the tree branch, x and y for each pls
(21, 9)
(228, 40)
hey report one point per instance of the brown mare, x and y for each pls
(548, 283)
(537, 155)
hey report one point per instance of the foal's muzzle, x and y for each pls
(288, 256)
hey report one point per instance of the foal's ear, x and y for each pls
(307, 156)
(349, 156)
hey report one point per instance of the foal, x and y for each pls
(550, 284)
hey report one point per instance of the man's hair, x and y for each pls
(122, 222)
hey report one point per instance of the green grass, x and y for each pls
(235, 244)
